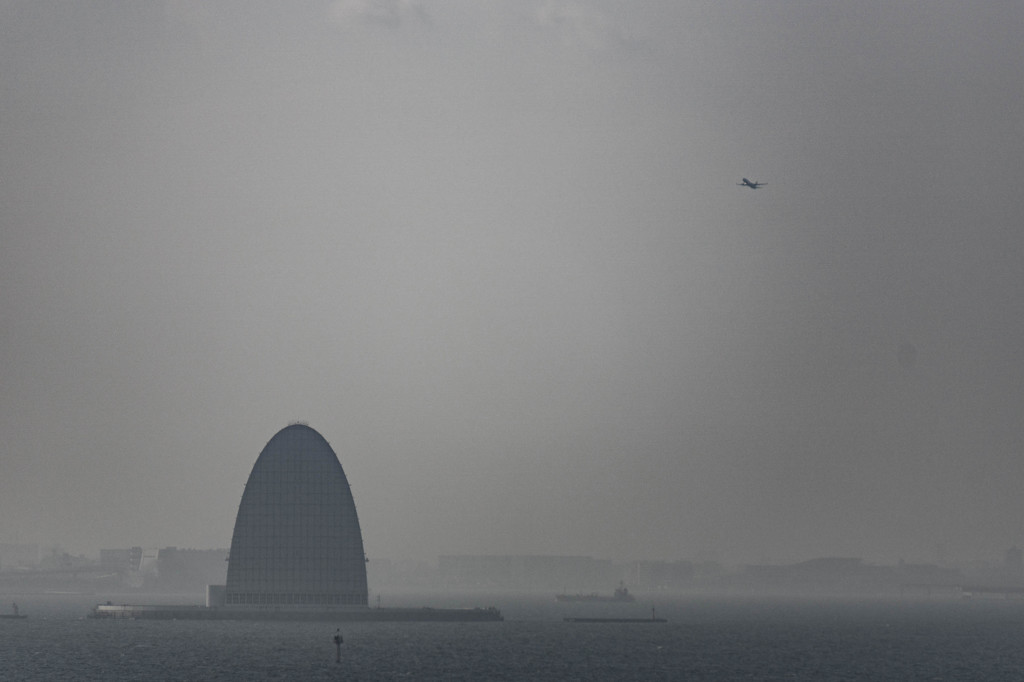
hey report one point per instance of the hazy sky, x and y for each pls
(494, 251)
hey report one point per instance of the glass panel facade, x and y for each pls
(297, 539)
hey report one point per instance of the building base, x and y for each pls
(346, 615)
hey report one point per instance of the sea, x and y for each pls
(704, 638)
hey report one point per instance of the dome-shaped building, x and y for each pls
(296, 540)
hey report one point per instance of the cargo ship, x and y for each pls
(621, 594)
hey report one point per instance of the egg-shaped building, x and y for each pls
(296, 541)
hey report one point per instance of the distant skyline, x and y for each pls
(496, 255)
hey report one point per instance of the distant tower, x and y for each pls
(297, 541)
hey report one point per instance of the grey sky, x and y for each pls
(495, 253)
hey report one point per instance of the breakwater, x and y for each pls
(170, 612)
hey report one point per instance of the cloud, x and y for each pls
(578, 25)
(387, 13)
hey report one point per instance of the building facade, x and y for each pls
(296, 541)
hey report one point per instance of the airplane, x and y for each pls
(751, 185)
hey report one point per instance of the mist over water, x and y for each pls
(705, 639)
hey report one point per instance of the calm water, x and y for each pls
(706, 639)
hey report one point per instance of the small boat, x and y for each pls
(11, 616)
